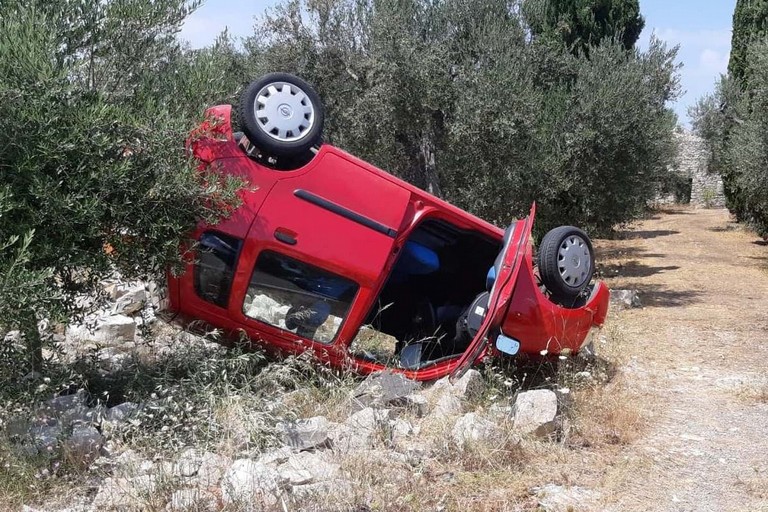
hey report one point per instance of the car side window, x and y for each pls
(295, 296)
(215, 267)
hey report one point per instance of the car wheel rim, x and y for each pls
(573, 261)
(284, 112)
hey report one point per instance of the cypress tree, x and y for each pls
(750, 20)
(584, 23)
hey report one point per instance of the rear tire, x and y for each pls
(566, 263)
(281, 115)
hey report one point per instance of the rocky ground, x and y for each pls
(668, 415)
(126, 434)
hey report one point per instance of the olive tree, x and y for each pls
(93, 152)
(457, 98)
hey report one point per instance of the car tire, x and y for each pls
(566, 263)
(281, 115)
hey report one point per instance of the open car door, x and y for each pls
(507, 267)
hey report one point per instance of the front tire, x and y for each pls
(566, 263)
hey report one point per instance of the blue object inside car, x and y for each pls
(416, 260)
(490, 278)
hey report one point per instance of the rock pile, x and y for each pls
(389, 421)
(388, 417)
(114, 330)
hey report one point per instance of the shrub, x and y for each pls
(93, 151)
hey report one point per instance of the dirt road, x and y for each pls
(699, 359)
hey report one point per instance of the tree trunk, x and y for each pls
(33, 341)
(429, 169)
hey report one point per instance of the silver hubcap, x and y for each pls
(573, 261)
(284, 112)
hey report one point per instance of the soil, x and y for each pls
(698, 357)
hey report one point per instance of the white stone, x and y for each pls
(437, 389)
(501, 412)
(536, 412)
(112, 360)
(62, 404)
(125, 494)
(198, 500)
(111, 330)
(441, 399)
(339, 488)
(447, 405)
(470, 386)
(383, 389)
(296, 476)
(556, 498)
(115, 329)
(275, 456)
(369, 419)
(202, 469)
(114, 493)
(318, 465)
(402, 428)
(13, 337)
(347, 439)
(305, 434)
(131, 299)
(84, 444)
(417, 404)
(471, 428)
(122, 412)
(251, 485)
(45, 435)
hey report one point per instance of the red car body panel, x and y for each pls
(346, 216)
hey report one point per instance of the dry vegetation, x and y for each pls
(229, 403)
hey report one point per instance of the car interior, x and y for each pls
(424, 304)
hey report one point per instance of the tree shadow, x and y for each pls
(670, 211)
(723, 229)
(633, 269)
(762, 262)
(645, 235)
(609, 253)
(659, 297)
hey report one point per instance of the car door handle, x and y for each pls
(285, 236)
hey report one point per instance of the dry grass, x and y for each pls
(28, 479)
(756, 485)
(605, 407)
(756, 391)
(229, 404)
(607, 415)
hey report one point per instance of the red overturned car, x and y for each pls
(330, 254)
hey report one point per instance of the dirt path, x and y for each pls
(700, 354)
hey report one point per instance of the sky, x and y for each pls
(702, 29)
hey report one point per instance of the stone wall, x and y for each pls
(692, 162)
